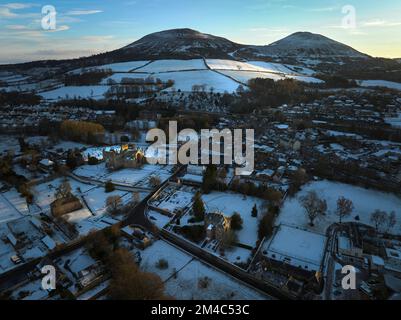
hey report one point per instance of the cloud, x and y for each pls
(16, 27)
(380, 23)
(7, 9)
(7, 13)
(97, 38)
(18, 5)
(61, 28)
(326, 9)
(82, 12)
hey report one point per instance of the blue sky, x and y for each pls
(88, 27)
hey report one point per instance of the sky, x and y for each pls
(87, 27)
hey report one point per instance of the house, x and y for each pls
(46, 164)
(347, 248)
(393, 259)
(376, 263)
(138, 236)
(64, 206)
(217, 224)
(127, 158)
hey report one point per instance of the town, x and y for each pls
(164, 166)
(324, 194)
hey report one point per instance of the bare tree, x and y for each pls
(155, 181)
(391, 221)
(136, 198)
(344, 208)
(314, 206)
(64, 190)
(229, 239)
(113, 204)
(378, 218)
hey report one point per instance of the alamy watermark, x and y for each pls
(349, 19)
(349, 280)
(49, 20)
(210, 147)
(49, 278)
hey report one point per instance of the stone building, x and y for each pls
(217, 224)
(127, 158)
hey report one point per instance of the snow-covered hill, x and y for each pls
(309, 45)
(182, 41)
(191, 58)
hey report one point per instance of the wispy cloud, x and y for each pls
(60, 28)
(18, 5)
(16, 27)
(82, 12)
(97, 38)
(7, 13)
(326, 9)
(7, 10)
(380, 23)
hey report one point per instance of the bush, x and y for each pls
(255, 211)
(265, 228)
(92, 161)
(109, 187)
(162, 264)
(193, 233)
(128, 282)
(236, 221)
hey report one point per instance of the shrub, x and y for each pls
(109, 187)
(162, 264)
(236, 221)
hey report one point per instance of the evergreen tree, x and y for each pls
(198, 207)
(255, 211)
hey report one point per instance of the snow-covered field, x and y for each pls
(14, 198)
(158, 219)
(365, 202)
(92, 92)
(96, 199)
(305, 249)
(186, 74)
(124, 66)
(245, 76)
(115, 67)
(117, 77)
(380, 83)
(185, 81)
(189, 272)
(129, 176)
(217, 64)
(178, 201)
(307, 79)
(228, 203)
(97, 172)
(44, 193)
(173, 65)
(282, 68)
(7, 210)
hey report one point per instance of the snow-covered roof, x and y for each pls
(46, 162)
(344, 243)
(49, 242)
(377, 261)
(394, 254)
